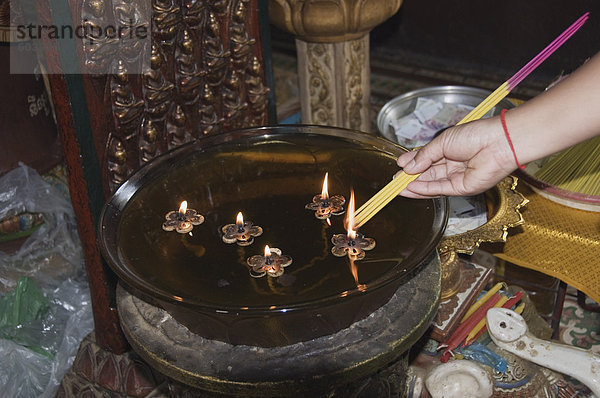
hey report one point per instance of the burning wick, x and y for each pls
(353, 243)
(325, 206)
(272, 263)
(182, 220)
(241, 232)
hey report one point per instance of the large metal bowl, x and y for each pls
(404, 104)
(270, 173)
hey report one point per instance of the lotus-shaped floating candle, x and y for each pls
(242, 232)
(325, 206)
(353, 243)
(353, 246)
(272, 263)
(183, 220)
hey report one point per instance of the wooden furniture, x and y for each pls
(201, 71)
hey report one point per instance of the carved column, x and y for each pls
(332, 44)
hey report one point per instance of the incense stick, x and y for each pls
(576, 169)
(398, 184)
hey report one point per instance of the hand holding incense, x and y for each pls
(390, 191)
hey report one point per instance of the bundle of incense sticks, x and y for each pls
(473, 324)
(398, 184)
(576, 169)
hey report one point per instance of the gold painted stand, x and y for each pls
(332, 44)
(463, 280)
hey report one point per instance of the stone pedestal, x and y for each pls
(334, 83)
(369, 358)
(332, 43)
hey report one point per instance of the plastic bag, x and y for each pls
(18, 361)
(38, 351)
(22, 310)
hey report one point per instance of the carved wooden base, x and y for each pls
(334, 83)
(97, 373)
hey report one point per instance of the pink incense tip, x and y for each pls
(546, 52)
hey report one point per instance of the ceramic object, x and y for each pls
(509, 331)
(460, 378)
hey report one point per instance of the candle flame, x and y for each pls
(350, 218)
(240, 219)
(324, 193)
(183, 207)
(267, 251)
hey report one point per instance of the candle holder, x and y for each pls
(182, 220)
(242, 232)
(352, 246)
(272, 263)
(326, 207)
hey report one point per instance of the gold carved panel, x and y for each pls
(200, 73)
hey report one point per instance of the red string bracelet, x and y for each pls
(512, 148)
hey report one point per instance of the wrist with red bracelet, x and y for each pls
(512, 148)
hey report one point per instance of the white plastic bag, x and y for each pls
(53, 258)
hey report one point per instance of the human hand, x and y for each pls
(464, 160)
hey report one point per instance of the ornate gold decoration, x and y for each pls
(99, 52)
(193, 13)
(117, 161)
(176, 127)
(127, 108)
(148, 141)
(504, 204)
(220, 7)
(216, 57)
(233, 102)
(127, 111)
(257, 92)
(525, 379)
(128, 18)
(166, 19)
(158, 92)
(451, 275)
(240, 43)
(202, 73)
(187, 73)
(210, 122)
(327, 21)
